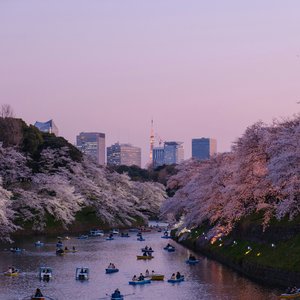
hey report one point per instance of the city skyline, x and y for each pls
(198, 70)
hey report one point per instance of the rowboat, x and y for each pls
(82, 237)
(141, 239)
(121, 297)
(290, 296)
(169, 248)
(115, 231)
(45, 273)
(39, 244)
(192, 261)
(82, 273)
(144, 257)
(12, 274)
(145, 281)
(96, 232)
(166, 237)
(16, 250)
(157, 277)
(38, 298)
(111, 270)
(109, 238)
(176, 280)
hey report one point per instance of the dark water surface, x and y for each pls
(206, 280)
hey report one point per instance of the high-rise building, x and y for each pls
(158, 157)
(203, 148)
(48, 126)
(93, 144)
(171, 153)
(174, 153)
(124, 154)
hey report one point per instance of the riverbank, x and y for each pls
(270, 257)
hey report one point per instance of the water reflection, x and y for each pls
(206, 280)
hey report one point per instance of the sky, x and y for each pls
(199, 68)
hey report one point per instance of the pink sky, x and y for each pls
(199, 68)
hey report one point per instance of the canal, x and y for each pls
(206, 280)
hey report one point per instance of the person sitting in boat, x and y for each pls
(59, 251)
(147, 273)
(169, 245)
(141, 277)
(166, 233)
(116, 294)
(113, 266)
(10, 270)
(150, 248)
(146, 248)
(66, 248)
(178, 275)
(134, 278)
(145, 254)
(173, 277)
(73, 248)
(152, 272)
(38, 293)
(192, 257)
(111, 235)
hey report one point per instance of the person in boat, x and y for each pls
(113, 266)
(73, 248)
(134, 278)
(66, 248)
(38, 293)
(116, 294)
(145, 254)
(146, 248)
(141, 277)
(10, 270)
(168, 246)
(111, 235)
(59, 251)
(192, 257)
(178, 275)
(294, 290)
(166, 233)
(147, 273)
(150, 249)
(152, 272)
(173, 277)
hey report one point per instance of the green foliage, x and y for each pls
(53, 142)
(134, 172)
(32, 139)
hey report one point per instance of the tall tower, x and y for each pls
(151, 142)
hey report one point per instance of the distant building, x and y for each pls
(171, 153)
(203, 148)
(124, 154)
(93, 144)
(49, 127)
(158, 157)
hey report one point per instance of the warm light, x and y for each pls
(258, 254)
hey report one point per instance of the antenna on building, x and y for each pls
(151, 142)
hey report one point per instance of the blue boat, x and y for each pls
(145, 281)
(111, 270)
(169, 248)
(83, 237)
(166, 237)
(39, 244)
(192, 261)
(16, 250)
(176, 280)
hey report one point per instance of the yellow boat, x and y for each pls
(16, 273)
(157, 277)
(144, 257)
